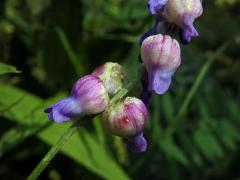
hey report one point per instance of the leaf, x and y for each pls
(207, 143)
(190, 149)
(4, 69)
(168, 106)
(71, 54)
(229, 134)
(170, 148)
(15, 136)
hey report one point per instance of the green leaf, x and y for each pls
(190, 149)
(15, 136)
(168, 106)
(229, 134)
(170, 148)
(4, 69)
(71, 54)
(207, 143)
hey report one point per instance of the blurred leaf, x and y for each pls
(15, 136)
(207, 143)
(168, 106)
(37, 6)
(4, 69)
(190, 149)
(170, 148)
(229, 134)
(71, 54)
(100, 131)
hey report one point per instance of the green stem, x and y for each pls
(52, 152)
(70, 131)
(185, 105)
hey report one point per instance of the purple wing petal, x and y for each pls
(64, 110)
(188, 31)
(137, 144)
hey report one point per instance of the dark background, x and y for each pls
(53, 43)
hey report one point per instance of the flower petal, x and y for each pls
(155, 5)
(64, 110)
(137, 144)
(188, 30)
(159, 81)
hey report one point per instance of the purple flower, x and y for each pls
(137, 143)
(161, 56)
(127, 119)
(183, 15)
(155, 6)
(88, 96)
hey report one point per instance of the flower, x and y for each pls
(161, 56)
(127, 119)
(183, 13)
(112, 76)
(137, 143)
(88, 96)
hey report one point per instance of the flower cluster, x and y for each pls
(161, 55)
(181, 13)
(91, 94)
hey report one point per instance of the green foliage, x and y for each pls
(4, 69)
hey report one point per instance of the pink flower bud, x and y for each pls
(161, 56)
(88, 96)
(112, 76)
(183, 13)
(126, 118)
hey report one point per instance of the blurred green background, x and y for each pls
(53, 43)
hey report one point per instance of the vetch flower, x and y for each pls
(161, 56)
(127, 119)
(88, 96)
(112, 76)
(183, 13)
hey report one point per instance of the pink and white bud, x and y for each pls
(162, 56)
(112, 76)
(126, 118)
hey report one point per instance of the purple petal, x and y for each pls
(137, 144)
(155, 5)
(188, 31)
(159, 81)
(64, 110)
(147, 34)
